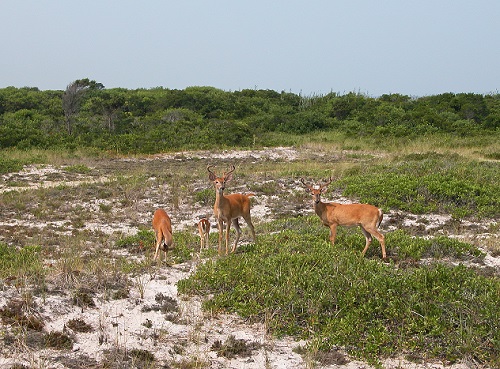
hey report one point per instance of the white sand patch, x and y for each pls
(111, 228)
(274, 153)
(31, 172)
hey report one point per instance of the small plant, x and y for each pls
(167, 303)
(268, 188)
(17, 312)
(79, 168)
(79, 325)
(121, 293)
(140, 283)
(19, 366)
(82, 297)
(138, 242)
(134, 358)
(58, 340)
(142, 358)
(190, 363)
(205, 197)
(106, 209)
(233, 347)
(27, 261)
(10, 165)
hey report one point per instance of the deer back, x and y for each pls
(352, 214)
(162, 222)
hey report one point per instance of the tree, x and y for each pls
(109, 104)
(72, 99)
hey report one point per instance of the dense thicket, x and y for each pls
(162, 119)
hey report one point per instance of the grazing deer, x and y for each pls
(163, 232)
(368, 217)
(204, 230)
(228, 208)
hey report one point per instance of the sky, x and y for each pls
(312, 47)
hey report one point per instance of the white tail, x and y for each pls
(204, 230)
(163, 232)
(368, 217)
(228, 208)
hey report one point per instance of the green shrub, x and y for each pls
(26, 261)
(80, 168)
(435, 248)
(205, 196)
(141, 239)
(10, 165)
(295, 280)
(423, 183)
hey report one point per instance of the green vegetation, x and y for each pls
(26, 262)
(435, 154)
(161, 119)
(300, 285)
(428, 183)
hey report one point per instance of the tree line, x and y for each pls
(161, 119)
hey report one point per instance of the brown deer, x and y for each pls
(368, 217)
(163, 232)
(228, 208)
(204, 231)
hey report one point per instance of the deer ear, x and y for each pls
(211, 176)
(228, 177)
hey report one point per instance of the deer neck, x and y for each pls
(220, 199)
(320, 208)
(219, 195)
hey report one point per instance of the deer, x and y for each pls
(204, 231)
(162, 226)
(228, 208)
(366, 216)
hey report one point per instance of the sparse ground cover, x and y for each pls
(79, 287)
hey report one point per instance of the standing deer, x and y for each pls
(368, 217)
(204, 230)
(228, 208)
(163, 232)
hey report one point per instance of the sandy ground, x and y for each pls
(186, 334)
(124, 324)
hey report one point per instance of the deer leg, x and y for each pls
(228, 227)
(379, 236)
(333, 233)
(158, 243)
(201, 238)
(220, 225)
(205, 240)
(368, 238)
(238, 233)
(248, 220)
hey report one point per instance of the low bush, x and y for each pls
(423, 183)
(10, 165)
(302, 286)
(26, 262)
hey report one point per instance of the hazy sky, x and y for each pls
(310, 47)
